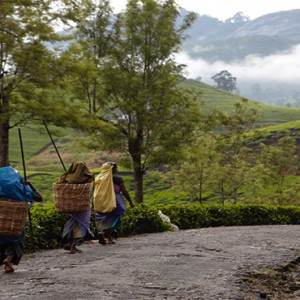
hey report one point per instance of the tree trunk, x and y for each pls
(138, 179)
(4, 129)
(235, 196)
(201, 184)
(135, 145)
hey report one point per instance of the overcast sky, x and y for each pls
(224, 9)
(281, 68)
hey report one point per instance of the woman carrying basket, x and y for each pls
(109, 203)
(78, 225)
(13, 187)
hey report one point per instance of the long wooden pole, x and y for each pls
(54, 146)
(25, 178)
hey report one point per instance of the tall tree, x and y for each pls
(143, 111)
(82, 61)
(156, 116)
(25, 65)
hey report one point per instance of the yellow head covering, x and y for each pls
(104, 194)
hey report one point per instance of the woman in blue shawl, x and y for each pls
(12, 186)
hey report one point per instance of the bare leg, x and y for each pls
(8, 268)
(73, 248)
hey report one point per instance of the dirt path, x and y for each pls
(207, 263)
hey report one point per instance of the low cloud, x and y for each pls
(283, 67)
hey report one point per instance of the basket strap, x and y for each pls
(85, 185)
(65, 187)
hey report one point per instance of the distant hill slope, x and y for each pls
(212, 98)
(41, 155)
(284, 24)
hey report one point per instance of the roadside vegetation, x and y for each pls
(46, 223)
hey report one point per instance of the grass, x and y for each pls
(32, 146)
(44, 166)
(211, 98)
(288, 126)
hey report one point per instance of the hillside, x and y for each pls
(44, 167)
(211, 98)
(40, 154)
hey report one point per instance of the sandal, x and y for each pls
(73, 251)
(67, 247)
(8, 268)
(101, 239)
(114, 234)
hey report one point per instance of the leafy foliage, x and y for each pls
(47, 224)
(47, 227)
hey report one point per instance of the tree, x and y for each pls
(225, 81)
(81, 62)
(143, 111)
(234, 160)
(27, 82)
(275, 163)
(192, 174)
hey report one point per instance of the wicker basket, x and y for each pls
(71, 198)
(13, 215)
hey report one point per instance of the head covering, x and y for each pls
(104, 194)
(77, 173)
(11, 186)
(113, 164)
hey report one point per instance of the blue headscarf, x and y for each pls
(11, 186)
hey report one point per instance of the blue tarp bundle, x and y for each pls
(11, 186)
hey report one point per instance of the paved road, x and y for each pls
(206, 263)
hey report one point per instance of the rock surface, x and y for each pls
(206, 263)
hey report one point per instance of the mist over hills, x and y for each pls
(264, 54)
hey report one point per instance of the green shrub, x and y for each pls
(47, 224)
(142, 219)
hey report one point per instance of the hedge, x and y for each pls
(47, 224)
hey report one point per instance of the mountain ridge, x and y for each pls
(281, 27)
(235, 42)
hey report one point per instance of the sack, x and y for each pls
(104, 195)
(167, 220)
(11, 186)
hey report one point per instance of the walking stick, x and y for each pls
(25, 178)
(54, 146)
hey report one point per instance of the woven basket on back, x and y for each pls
(13, 215)
(71, 198)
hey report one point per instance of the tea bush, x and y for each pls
(47, 224)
